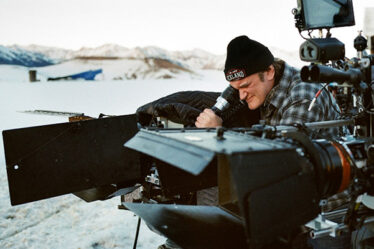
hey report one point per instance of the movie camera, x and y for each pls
(257, 187)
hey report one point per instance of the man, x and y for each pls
(273, 86)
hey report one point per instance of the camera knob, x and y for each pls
(360, 43)
(220, 131)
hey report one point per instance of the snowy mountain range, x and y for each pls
(194, 59)
(16, 55)
(119, 62)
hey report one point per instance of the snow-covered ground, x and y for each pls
(66, 221)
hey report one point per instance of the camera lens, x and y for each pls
(334, 173)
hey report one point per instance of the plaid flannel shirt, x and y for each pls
(288, 102)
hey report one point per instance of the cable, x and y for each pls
(316, 96)
(330, 100)
(302, 36)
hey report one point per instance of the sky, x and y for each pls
(169, 24)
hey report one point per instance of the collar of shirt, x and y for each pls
(279, 92)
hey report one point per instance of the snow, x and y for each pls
(66, 221)
(13, 73)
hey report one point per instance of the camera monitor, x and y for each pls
(318, 14)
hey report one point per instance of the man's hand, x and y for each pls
(208, 119)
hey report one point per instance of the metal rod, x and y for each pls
(315, 234)
(329, 124)
(317, 125)
(334, 214)
(137, 233)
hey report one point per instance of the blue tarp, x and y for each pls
(87, 75)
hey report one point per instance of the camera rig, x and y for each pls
(222, 188)
(351, 80)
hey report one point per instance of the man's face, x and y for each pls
(253, 90)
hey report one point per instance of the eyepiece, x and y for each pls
(229, 96)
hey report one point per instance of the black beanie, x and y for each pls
(245, 57)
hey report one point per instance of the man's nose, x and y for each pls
(242, 94)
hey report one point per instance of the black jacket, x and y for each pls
(184, 107)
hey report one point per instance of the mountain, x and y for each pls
(54, 53)
(122, 63)
(119, 69)
(193, 59)
(18, 56)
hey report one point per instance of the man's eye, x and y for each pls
(245, 85)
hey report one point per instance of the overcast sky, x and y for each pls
(170, 24)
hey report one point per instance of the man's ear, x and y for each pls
(270, 73)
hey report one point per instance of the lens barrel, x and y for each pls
(335, 170)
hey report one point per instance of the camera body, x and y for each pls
(270, 178)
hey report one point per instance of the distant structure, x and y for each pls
(32, 75)
(87, 75)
